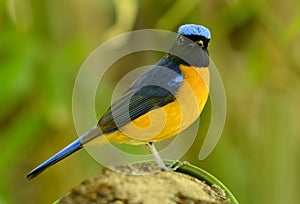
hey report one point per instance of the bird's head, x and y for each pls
(191, 45)
(191, 34)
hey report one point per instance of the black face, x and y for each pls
(198, 39)
(190, 50)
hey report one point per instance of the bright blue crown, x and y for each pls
(192, 29)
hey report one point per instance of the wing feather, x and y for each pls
(154, 88)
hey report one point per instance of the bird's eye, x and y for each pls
(200, 42)
(181, 39)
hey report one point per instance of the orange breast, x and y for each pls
(167, 121)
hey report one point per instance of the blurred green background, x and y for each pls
(255, 45)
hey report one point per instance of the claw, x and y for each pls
(176, 164)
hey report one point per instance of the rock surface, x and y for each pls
(144, 184)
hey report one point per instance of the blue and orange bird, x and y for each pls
(159, 104)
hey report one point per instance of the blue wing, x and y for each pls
(155, 88)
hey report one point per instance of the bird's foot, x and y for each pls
(175, 165)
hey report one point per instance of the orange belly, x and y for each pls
(165, 122)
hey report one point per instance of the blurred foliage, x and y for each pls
(255, 45)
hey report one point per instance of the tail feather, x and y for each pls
(90, 137)
(70, 149)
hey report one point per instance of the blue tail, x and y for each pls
(70, 149)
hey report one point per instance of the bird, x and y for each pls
(163, 101)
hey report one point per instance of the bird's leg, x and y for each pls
(157, 158)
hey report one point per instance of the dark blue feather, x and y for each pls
(155, 88)
(73, 147)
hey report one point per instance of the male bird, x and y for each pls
(159, 104)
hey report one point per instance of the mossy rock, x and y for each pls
(144, 183)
